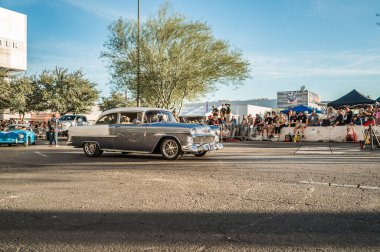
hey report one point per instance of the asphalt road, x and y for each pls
(249, 196)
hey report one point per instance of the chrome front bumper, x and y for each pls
(196, 148)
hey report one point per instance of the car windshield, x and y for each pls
(16, 127)
(159, 116)
(67, 118)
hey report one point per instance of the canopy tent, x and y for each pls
(300, 108)
(353, 98)
(378, 99)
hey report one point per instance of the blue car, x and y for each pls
(18, 134)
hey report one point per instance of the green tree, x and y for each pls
(62, 91)
(5, 88)
(22, 95)
(115, 100)
(180, 59)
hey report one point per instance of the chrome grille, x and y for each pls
(203, 139)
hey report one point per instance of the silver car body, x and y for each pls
(68, 121)
(145, 132)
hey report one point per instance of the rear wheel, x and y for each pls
(91, 149)
(170, 149)
(200, 154)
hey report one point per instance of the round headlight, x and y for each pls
(193, 131)
(20, 136)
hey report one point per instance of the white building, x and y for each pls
(13, 46)
(13, 40)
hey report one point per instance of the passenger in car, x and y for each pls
(163, 118)
(125, 120)
(155, 118)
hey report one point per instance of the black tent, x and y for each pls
(353, 98)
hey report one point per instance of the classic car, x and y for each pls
(67, 121)
(18, 134)
(147, 130)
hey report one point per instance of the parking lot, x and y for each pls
(249, 196)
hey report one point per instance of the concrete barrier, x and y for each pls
(322, 134)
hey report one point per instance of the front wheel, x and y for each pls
(91, 149)
(26, 144)
(200, 154)
(170, 149)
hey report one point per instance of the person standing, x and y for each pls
(52, 127)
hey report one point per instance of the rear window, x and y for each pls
(67, 118)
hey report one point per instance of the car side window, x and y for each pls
(130, 118)
(107, 119)
(158, 116)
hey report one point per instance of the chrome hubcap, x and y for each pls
(170, 148)
(90, 148)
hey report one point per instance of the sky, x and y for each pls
(329, 46)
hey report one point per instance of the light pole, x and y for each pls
(138, 54)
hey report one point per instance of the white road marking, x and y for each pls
(41, 154)
(340, 185)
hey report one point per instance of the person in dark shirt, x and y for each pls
(292, 121)
(301, 124)
(223, 111)
(348, 117)
(339, 121)
(215, 111)
(51, 133)
(268, 121)
(368, 116)
(257, 125)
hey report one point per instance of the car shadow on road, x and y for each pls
(312, 229)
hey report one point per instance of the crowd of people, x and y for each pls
(36, 125)
(270, 125)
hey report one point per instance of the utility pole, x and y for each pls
(138, 54)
